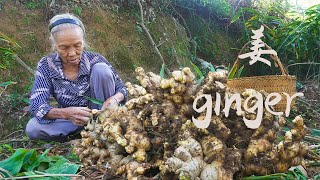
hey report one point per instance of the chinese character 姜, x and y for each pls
(256, 49)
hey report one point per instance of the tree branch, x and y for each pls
(145, 29)
(184, 22)
(17, 58)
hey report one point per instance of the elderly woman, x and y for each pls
(70, 74)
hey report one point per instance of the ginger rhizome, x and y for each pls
(153, 135)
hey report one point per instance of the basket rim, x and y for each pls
(255, 77)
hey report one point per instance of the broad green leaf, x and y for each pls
(95, 101)
(63, 167)
(195, 67)
(14, 163)
(240, 71)
(162, 71)
(7, 83)
(57, 158)
(41, 159)
(28, 161)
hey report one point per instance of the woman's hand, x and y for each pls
(78, 115)
(112, 101)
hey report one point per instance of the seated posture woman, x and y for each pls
(70, 74)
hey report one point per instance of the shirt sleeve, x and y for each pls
(120, 87)
(41, 91)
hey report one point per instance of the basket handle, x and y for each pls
(274, 57)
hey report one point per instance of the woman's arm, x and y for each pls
(41, 91)
(39, 100)
(78, 115)
(119, 85)
(113, 100)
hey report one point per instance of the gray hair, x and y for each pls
(61, 27)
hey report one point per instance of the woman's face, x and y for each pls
(69, 45)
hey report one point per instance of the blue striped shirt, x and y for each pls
(50, 80)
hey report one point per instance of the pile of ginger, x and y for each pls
(153, 135)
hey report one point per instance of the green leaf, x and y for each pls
(139, 29)
(26, 100)
(63, 167)
(267, 177)
(233, 72)
(14, 163)
(299, 85)
(4, 84)
(2, 66)
(9, 40)
(315, 132)
(240, 71)
(195, 67)
(295, 174)
(228, 67)
(95, 101)
(253, 11)
(212, 69)
(27, 160)
(39, 162)
(5, 50)
(7, 146)
(162, 71)
(236, 17)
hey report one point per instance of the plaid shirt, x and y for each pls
(50, 80)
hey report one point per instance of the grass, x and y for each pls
(77, 10)
(32, 5)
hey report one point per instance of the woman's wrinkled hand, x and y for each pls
(112, 101)
(79, 116)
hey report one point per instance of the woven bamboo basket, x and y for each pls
(270, 83)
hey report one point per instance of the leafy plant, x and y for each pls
(220, 8)
(196, 68)
(294, 174)
(235, 72)
(6, 46)
(28, 162)
(295, 39)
